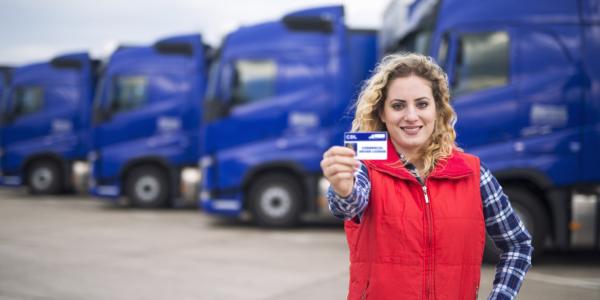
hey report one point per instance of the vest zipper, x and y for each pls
(429, 271)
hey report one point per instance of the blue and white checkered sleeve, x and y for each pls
(352, 207)
(510, 236)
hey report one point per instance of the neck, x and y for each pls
(413, 156)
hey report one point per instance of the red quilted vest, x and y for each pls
(406, 248)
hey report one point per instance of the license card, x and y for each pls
(367, 145)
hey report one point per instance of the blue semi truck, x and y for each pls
(45, 123)
(146, 123)
(525, 78)
(279, 95)
(5, 75)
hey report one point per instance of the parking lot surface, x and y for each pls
(73, 247)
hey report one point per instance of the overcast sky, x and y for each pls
(35, 30)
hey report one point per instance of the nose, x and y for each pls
(411, 114)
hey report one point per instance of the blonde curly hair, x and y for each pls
(374, 92)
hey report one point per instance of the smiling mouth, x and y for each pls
(411, 129)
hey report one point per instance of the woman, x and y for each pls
(416, 222)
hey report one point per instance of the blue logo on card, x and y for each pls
(377, 136)
(350, 137)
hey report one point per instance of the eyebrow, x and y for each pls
(420, 98)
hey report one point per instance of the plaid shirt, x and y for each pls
(501, 222)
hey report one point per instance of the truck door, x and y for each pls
(126, 117)
(24, 121)
(251, 85)
(40, 106)
(263, 103)
(551, 84)
(483, 89)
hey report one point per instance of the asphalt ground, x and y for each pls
(74, 247)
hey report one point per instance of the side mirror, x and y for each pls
(214, 110)
(101, 115)
(8, 114)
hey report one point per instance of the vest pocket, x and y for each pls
(391, 241)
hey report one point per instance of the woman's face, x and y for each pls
(409, 113)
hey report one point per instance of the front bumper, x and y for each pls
(108, 192)
(227, 207)
(12, 181)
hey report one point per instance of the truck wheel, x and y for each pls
(275, 201)
(532, 214)
(44, 177)
(147, 187)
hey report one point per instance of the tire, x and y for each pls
(44, 178)
(533, 215)
(147, 187)
(276, 201)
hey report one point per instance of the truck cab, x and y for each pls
(522, 77)
(46, 123)
(5, 75)
(279, 95)
(147, 115)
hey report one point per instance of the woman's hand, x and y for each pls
(338, 166)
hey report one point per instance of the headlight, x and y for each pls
(80, 177)
(190, 184)
(81, 167)
(191, 175)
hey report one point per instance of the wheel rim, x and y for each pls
(42, 178)
(147, 189)
(276, 202)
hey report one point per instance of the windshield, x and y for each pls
(419, 42)
(409, 27)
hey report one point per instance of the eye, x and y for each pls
(422, 104)
(398, 105)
